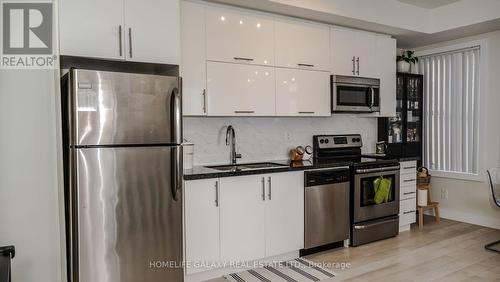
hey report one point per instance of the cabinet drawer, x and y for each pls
(408, 179)
(240, 90)
(408, 217)
(301, 44)
(408, 167)
(408, 191)
(407, 205)
(238, 36)
(302, 92)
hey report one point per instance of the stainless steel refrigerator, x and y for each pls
(123, 176)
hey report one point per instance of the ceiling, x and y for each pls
(428, 4)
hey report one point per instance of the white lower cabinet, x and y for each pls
(302, 92)
(240, 90)
(408, 194)
(202, 222)
(242, 214)
(243, 218)
(284, 213)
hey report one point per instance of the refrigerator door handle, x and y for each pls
(176, 110)
(177, 172)
(177, 167)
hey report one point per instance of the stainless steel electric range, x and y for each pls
(371, 219)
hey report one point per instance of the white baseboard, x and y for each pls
(468, 218)
(219, 272)
(403, 228)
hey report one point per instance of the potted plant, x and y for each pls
(405, 60)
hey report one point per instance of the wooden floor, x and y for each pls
(445, 251)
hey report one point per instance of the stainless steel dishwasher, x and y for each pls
(326, 206)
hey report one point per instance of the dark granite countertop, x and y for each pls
(387, 157)
(202, 172)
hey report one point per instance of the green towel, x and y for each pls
(376, 183)
(382, 188)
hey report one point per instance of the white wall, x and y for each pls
(471, 201)
(29, 193)
(268, 138)
(31, 213)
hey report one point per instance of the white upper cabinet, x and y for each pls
(240, 90)
(234, 35)
(352, 53)
(301, 44)
(302, 92)
(152, 31)
(144, 31)
(202, 221)
(386, 61)
(284, 213)
(92, 28)
(193, 59)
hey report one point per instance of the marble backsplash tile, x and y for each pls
(269, 138)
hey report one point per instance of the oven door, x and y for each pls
(364, 204)
(355, 98)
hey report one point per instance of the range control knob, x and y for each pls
(326, 141)
(321, 141)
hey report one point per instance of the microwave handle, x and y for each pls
(372, 98)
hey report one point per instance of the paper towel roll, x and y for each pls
(422, 197)
(188, 153)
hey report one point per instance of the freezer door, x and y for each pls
(108, 108)
(129, 222)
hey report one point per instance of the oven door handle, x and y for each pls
(380, 169)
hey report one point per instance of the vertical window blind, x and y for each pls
(451, 109)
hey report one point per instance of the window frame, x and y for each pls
(482, 106)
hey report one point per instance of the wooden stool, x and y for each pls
(430, 204)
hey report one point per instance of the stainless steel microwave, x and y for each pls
(355, 94)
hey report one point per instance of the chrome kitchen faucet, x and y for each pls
(231, 135)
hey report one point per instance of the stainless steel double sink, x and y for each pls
(248, 166)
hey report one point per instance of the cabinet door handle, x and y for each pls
(217, 193)
(353, 65)
(409, 167)
(263, 189)
(244, 112)
(407, 212)
(409, 193)
(130, 42)
(305, 65)
(204, 101)
(409, 180)
(270, 187)
(120, 39)
(306, 112)
(243, 59)
(357, 61)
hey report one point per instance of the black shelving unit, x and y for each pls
(403, 133)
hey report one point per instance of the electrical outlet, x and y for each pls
(288, 136)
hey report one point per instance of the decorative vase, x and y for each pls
(414, 68)
(403, 66)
